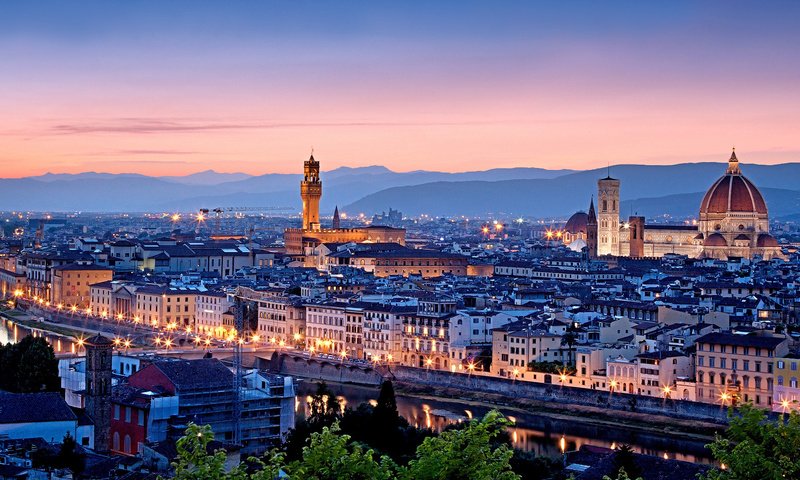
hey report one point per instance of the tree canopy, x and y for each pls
(755, 448)
(468, 453)
(28, 366)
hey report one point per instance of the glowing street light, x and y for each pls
(667, 391)
(176, 217)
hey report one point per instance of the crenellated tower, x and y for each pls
(310, 193)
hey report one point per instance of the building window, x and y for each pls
(116, 417)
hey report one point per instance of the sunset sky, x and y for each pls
(166, 88)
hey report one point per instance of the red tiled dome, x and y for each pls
(733, 192)
(577, 223)
(715, 240)
(766, 240)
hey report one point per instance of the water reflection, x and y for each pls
(542, 435)
(11, 332)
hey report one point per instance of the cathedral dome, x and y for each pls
(766, 240)
(715, 240)
(577, 223)
(733, 193)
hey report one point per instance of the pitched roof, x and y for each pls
(196, 374)
(34, 408)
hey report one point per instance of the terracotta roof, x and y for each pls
(733, 192)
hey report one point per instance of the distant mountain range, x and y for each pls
(649, 190)
(105, 192)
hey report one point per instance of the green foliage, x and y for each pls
(324, 410)
(195, 463)
(469, 453)
(756, 448)
(29, 366)
(464, 454)
(554, 367)
(622, 475)
(331, 456)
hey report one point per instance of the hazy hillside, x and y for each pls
(660, 189)
(132, 192)
(673, 189)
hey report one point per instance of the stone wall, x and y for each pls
(333, 371)
(321, 369)
(561, 394)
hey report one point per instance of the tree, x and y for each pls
(195, 463)
(625, 460)
(69, 457)
(621, 476)
(755, 448)
(331, 456)
(29, 366)
(324, 410)
(570, 339)
(325, 407)
(465, 454)
(385, 413)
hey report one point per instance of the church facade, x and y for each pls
(733, 221)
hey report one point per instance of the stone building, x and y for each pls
(99, 351)
(302, 241)
(733, 221)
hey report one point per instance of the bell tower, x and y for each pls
(608, 216)
(99, 350)
(591, 230)
(310, 193)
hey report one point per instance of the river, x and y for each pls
(540, 434)
(12, 332)
(531, 432)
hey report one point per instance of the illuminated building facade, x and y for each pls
(302, 241)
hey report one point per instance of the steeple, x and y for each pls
(733, 164)
(592, 216)
(336, 222)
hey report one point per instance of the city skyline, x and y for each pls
(166, 90)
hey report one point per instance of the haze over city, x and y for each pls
(179, 87)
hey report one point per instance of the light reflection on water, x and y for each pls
(541, 435)
(11, 332)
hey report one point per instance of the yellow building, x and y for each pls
(71, 283)
(732, 369)
(786, 394)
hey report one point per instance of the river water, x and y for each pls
(11, 332)
(531, 432)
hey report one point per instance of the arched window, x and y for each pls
(115, 442)
(127, 444)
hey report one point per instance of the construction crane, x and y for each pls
(219, 212)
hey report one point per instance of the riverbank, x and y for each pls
(27, 321)
(635, 421)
